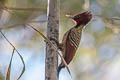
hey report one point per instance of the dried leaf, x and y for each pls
(23, 70)
(9, 67)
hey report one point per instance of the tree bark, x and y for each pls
(51, 62)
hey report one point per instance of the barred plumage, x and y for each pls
(71, 39)
(74, 37)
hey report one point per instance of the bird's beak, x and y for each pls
(70, 16)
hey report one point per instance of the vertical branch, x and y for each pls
(1, 10)
(86, 5)
(51, 62)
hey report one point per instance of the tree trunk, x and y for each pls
(51, 63)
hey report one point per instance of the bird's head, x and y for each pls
(82, 18)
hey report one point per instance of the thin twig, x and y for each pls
(107, 18)
(18, 54)
(11, 13)
(15, 25)
(7, 10)
(12, 26)
(53, 47)
(115, 18)
(36, 21)
(23, 9)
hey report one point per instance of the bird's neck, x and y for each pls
(79, 27)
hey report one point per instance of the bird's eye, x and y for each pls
(78, 16)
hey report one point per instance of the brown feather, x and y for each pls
(70, 52)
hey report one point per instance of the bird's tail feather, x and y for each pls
(59, 69)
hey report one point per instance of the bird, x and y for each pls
(72, 37)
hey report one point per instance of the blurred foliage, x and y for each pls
(98, 56)
(1, 77)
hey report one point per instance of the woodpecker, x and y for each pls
(72, 37)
